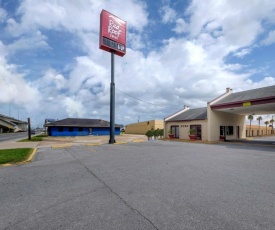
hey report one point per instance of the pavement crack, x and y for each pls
(112, 191)
(52, 206)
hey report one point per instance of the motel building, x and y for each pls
(224, 117)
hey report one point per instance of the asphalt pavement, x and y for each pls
(149, 185)
(13, 136)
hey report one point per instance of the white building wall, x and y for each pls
(184, 127)
(217, 119)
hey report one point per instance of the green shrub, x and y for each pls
(161, 132)
(156, 133)
(149, 134)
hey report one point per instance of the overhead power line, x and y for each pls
(142, 100)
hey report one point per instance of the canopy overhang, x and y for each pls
(257, 106)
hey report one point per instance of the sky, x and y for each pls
(179, 52)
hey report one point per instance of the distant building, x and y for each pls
(80, 127)
(255, 130)
(47, 121)
(143, 127)
(10, 124)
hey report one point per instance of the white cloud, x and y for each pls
(74, 108)
(15, 89)
(53, 80)
(34, 41)
(3, 15)
(181, 26)
(167, 14)
(74, 16)
(135, 41)
(270, 38)
(86, 71)
(230, 17)
(242, 53)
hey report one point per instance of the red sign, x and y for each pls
(112, 33)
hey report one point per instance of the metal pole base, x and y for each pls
(112, 141)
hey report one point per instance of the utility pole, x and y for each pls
(29, 128)
(138, 118)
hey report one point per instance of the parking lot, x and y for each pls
(150, 185)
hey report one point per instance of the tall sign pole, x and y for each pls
(112, 39)
(112, 99)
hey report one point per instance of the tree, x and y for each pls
(250, 117)
(156, 134)
(266, 123)
(271, 122)
(161, 132)
(259, 119)
(149, 134)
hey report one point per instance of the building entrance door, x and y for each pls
(175, 131)
(197, 129)
(222, 133)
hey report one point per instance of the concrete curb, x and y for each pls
(31, 156)
(29, 160)
(61, 146)
(192, 141)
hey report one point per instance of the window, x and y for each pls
(71, 129)
(60, 129)
(229, 130)
(80, 129)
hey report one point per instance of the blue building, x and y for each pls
(80, 127)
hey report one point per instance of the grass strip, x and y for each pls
(42, 135)
(14, 155)
(34, 138)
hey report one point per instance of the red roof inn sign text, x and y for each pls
(112, 33)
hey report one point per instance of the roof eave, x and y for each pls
(257, 101)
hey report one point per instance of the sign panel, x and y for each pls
(112, 33)
(247, 103)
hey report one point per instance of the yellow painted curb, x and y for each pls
(120, 143)
(61, 146)
(30, 158)
(93, 144)
(136, 141)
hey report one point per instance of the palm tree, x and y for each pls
(259, 119)
(271, 122)
(250, 117)
(266, 123)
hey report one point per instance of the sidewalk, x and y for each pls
(17, 145)
(79, 140)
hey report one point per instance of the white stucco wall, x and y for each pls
(217, 119)
(184, 127)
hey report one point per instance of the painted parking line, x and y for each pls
(120, 143)
(61, 146)
(93, 150)
(94, 144)
(137, 141)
